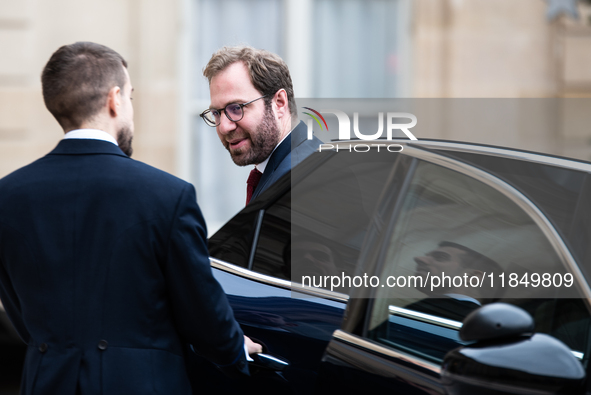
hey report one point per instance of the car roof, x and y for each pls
(477, 148)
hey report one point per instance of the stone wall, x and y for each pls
(143, 32)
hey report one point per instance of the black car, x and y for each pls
(13, 355)
(335, 270)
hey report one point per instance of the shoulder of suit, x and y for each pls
(305, 149)
(154, 172)
(20, 172)
(136, 168)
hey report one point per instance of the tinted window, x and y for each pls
(232, 243)
(319, 226)
(556, 191)
(453, 225)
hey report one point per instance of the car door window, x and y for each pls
(317, 228)
(454, 237)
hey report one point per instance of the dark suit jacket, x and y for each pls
(104, 272)
(294, 149)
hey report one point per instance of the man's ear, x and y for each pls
(281, 103)
(114, 101)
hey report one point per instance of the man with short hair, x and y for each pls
(254, 111)
(104, 268)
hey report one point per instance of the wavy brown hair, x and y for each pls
(268, 72)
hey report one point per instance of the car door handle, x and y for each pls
(270, 362)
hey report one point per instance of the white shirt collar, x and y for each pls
(94, 134)
(261, 166)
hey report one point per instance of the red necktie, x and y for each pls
(252, 182)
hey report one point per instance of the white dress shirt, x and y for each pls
(90, 134)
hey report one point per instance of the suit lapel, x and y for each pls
(281, 154)
(299, 135)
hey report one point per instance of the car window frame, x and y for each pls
(258, 207)
(355, 333)
(513, 194)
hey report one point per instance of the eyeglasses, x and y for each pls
(234, 112)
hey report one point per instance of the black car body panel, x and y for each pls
(375, 211)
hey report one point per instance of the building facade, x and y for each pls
(435, 49)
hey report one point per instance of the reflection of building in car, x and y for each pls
(453, 260)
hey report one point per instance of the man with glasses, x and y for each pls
(254, 112)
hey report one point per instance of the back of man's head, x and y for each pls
(268, 72)
(76, 81)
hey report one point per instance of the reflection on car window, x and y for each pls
(455, 226)
(317, 229)
(554, 190)
(453, 300)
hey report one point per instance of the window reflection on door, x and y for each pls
(453, 225)
(317, 229)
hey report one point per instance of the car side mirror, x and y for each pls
(507, 357)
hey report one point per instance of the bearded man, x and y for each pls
(254, 112)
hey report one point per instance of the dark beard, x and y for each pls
(124, 138)
(263, 142)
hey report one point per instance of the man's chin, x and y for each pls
(240, 159)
